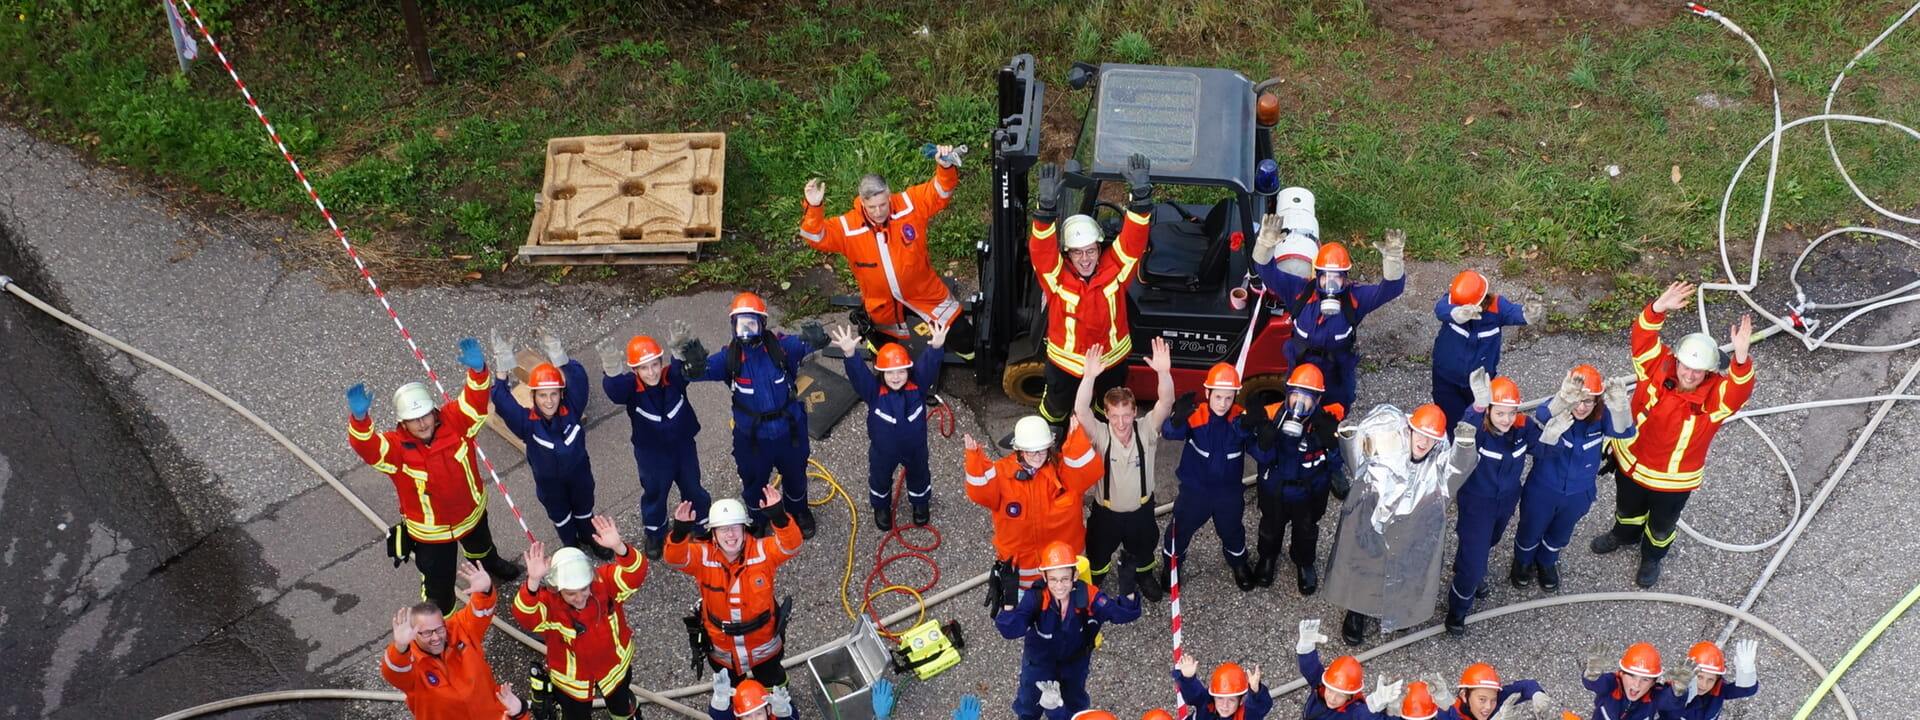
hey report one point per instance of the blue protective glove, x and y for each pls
(470, 355)
(883, 698)
(969, 708)
(359, 401)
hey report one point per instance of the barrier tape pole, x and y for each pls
(342, 237)
(1180, 708)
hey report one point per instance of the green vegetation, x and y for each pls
(1495, 149)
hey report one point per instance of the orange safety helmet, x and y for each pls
(1223, 377)
(1332, 256)
(1505, 392)
(1307, 377)
(747, 303)
(642, 349)
(1094, 715)
(1569, 715)
(1343, 675)
(1641, 659)
(1157, 714)
(1480, 675)
(1468, 288)
(1058, 555)
(1419, 703)
(1589, 379)
(546, 377)
(1430, 421)
(1707, 657)
(749, 696)
(1228, 681)
(892, 357)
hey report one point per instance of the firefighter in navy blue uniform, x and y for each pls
(1708, 690)
(653, 389)
(1468, 339)
(896, 418)
(555, 434)
(1337, 688)
(1635, 691)
(1327, 309)
(1560, 488)
(1060, 618)
(1480, 695)
(1230, 694)
(760, 367)
(1487, 498)
(1210, 469)
(1299, 455)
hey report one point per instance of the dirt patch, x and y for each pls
(1485, 23)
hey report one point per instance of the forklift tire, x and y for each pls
(1024, 382)
(1260, 391)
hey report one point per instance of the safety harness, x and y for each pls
(736, 357)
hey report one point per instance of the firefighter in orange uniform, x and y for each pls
(441, 664)
(430, 458)
(1087, 288)
(583, 620)
(1680, 398)
(1035, 497)
(734, 571)
(884, 238)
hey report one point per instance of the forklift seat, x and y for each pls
(1188, 253)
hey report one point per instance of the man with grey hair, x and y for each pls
(884, 238)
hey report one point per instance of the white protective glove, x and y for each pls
(1572, 391)
(502, 352)
(613, 358)
(1556, 426)
(722, 691)
(1543, 702)
(1746, 659)
(1269, 241)
(1310, 637)
(1482, 386)
(1049, 694)
(556, 353)
(1393, 254)
(780, 702)
(1385, 696)
(1464, 314)
(1615, 396)
(1505, 711)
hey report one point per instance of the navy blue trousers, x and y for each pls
(662, 469)
(1481, 523)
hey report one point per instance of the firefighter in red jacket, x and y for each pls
(1680, 398)
(1086, 287)
(734, 572)
(884, 238)
(430, 459)
(582, 618)
(441, 664)
(1035, 496)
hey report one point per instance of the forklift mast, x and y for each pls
(1006, 280)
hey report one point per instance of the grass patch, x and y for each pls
(1499, 151)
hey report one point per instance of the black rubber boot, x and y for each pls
(1456, 624)
(1550, 577)
(1149, 585)
(1264, 569)
(1606, 543)
(1649, 573)
(804, 518)
(1353, 629)
(1482, 592)
(588, 546)
(1243, 576)
(1166, 573)
(922, 515)
(655, 547)
(1306, 578)
(502, 569)
(1521, 576)
(883, 520)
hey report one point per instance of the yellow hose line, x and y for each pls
(1846, 663)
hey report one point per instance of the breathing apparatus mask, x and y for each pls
(1331, 283)
(1299, 407)
(747, 326)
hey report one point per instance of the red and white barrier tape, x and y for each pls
(1180, 709)
(395, 316)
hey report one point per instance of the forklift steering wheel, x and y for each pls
(1111, 225)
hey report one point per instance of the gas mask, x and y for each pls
(1299, 408)
(1331, 283)
(746, 326)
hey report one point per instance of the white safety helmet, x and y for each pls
(571, 569)
(1699, 351)
(413, 400)
(1031, 433)
(726, 511)
(1080, 231)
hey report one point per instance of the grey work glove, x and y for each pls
(1385, 696)
(1393, 254)
(1746, 659)
(691, 351)
(1482, 386)
(556, 353)
(780, 701)
(722, 691)
(502, 352)
(1139, 182)
(1268, 243)
(1049, 694)
(1506, 711)
(813, 335)
(1556, 426)
(1310, 637)
(1046, 193)
(1615, 395)
(1464, 432)
(613, 358)
(1596, 661)
(1571, 393)
(1464, 314)
(1543, 701)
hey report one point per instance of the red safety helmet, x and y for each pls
(892, 357)
(1430, 421)
(748, 303)
(1505, 392)
(1223, 377)
(1228, 681)
(1157, 714)
(1332, 256)
(1058, 555)
(642, 349)
(1307, 377)
(749, 696)
(1707, 657)
(546, 377)
(1094, 715)
(1343, 675)
(1641, 659)
(1480, 675)
(1419, 703)
(1589, 379)
(1468, 288)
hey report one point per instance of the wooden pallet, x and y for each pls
(628, 200)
